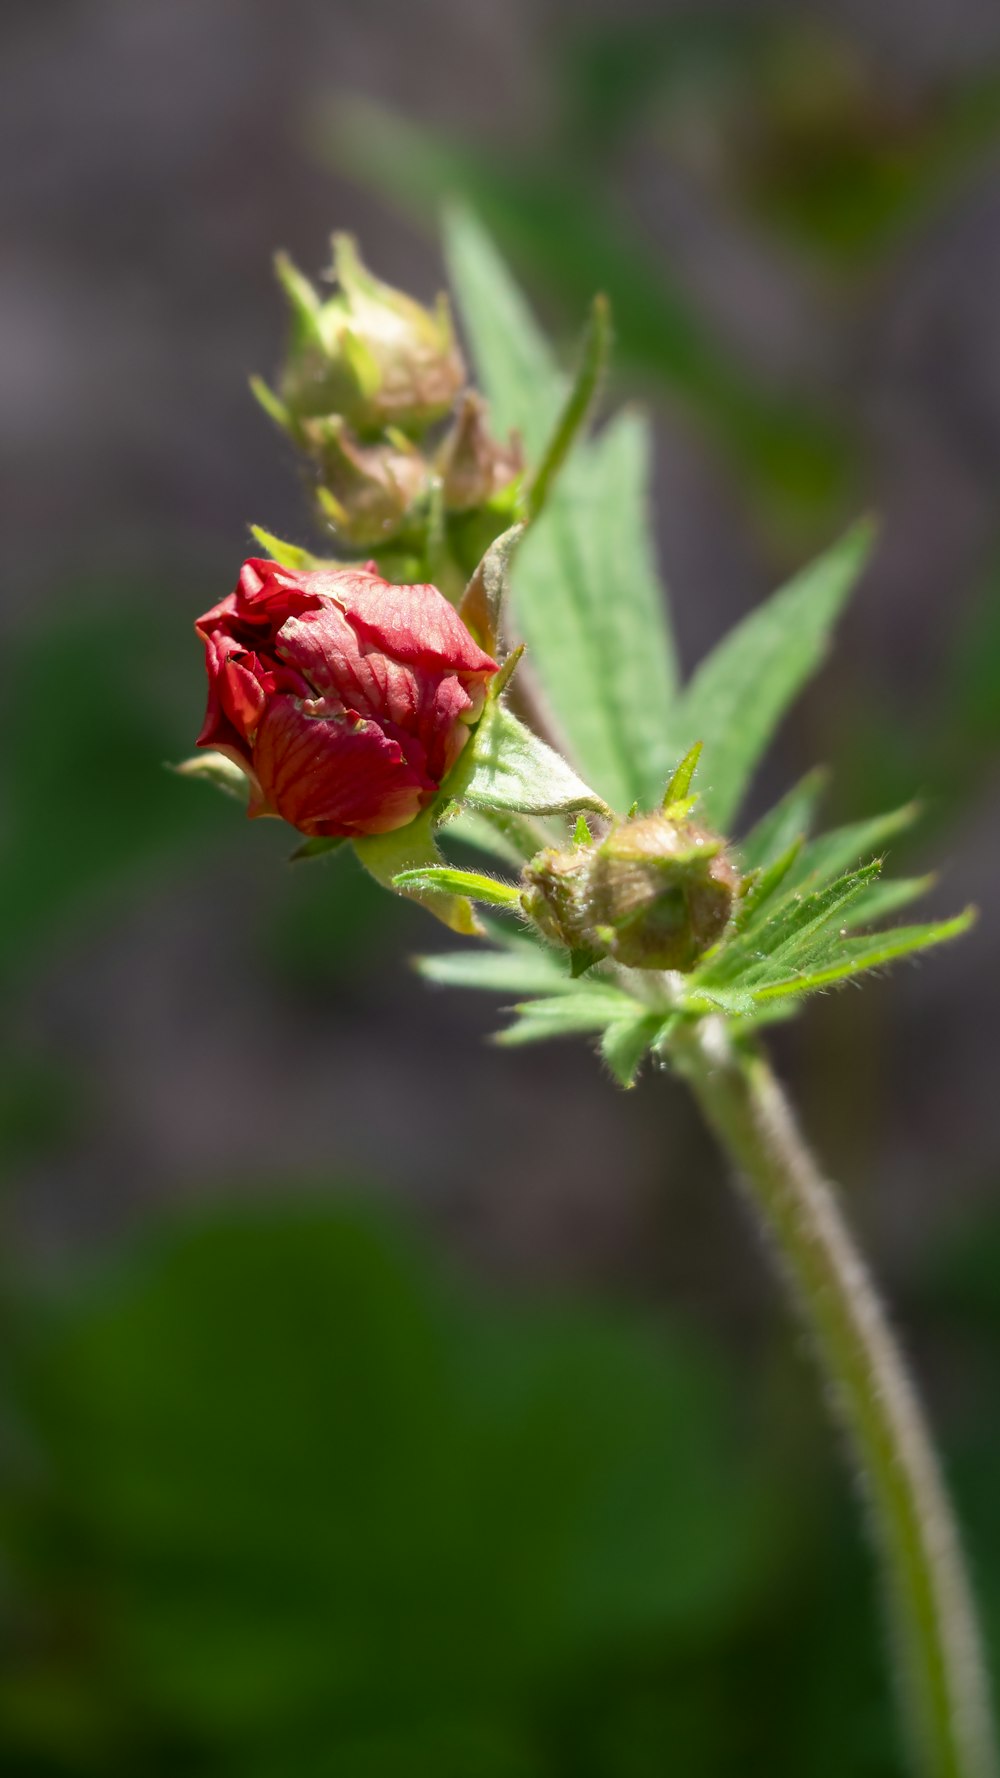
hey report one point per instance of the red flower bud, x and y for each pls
(346, 700)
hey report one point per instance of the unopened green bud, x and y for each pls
(657, 893)
(472, 466)
(364, 492)
(369, 353)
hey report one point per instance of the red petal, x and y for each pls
(414, 624)
(329, 775)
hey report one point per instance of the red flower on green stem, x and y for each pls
(345, 699)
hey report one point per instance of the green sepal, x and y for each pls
(679, 783)
(273, 406)
(458, 882)
(581, 832)
(304, 303)
(506, 767)
(583, 959)
(287, 555)
(320, 846)
(386, 855)
(482, 603)
(216, 769)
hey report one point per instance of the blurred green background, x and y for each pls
(372, 1403)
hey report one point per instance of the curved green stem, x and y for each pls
(940, 1669)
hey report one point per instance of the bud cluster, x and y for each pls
(372, 393)
(656, 893)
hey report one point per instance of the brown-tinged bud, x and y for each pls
(473, 467)
(369, 353)
(657, 893)
(364, 492)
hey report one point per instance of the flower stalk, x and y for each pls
(940, 1668)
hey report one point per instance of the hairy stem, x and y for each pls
(940, 1669)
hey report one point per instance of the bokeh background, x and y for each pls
(374, 1402)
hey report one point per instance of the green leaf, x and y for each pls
(626, 1042)
(792, 925)
(589, 1008)
(808, 925)
(587, 594)
(457, 882)
(830, 853)
(507, 767)
(854, 955)
(887, 898)
(765, 886)
(514, 364)
(589, 605)
(573, 419)
(788, 821)
(740, 693)
(522, 971)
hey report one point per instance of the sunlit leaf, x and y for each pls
(528, 970)
(787, 932)
(788, 821)
(887, 898)
(855, 955)
(832, 852)
(739, 694)
(514, 364)
(589, 604)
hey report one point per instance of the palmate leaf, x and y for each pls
(588, 603)
(627, 1042)
(887, 898)
(788, 821)
(586, 594)
(591, 1007)
(848, 957)
(739, 694)
(525, 969)
(830, 853)
(785, 931)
